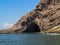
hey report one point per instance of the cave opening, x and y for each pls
(32, 28)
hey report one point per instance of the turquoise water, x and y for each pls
(29, 39)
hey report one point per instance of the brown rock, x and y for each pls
(44, 17)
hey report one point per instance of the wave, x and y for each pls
(50, 33)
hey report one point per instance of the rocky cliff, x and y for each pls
(44, 17)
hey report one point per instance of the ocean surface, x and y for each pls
(29, 39)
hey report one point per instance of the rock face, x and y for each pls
(44, 17)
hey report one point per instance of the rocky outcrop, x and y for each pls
(44, 17)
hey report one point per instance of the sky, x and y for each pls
(13, 10)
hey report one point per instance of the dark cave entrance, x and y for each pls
(32, 28)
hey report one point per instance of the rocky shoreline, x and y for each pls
(42, 19)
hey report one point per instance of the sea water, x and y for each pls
(29, 39)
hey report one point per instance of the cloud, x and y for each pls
(7, 25)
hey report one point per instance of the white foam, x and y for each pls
(52, 33)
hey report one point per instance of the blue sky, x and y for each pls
(12, 10)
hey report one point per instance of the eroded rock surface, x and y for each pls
(44, 17)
